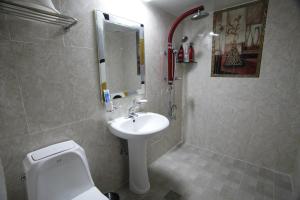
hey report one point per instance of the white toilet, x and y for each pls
(60, 172)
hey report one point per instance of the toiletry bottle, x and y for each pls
(191, 53)
(108, 103)
(180, 55)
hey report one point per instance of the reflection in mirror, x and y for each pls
(121, 55)
(121, 59)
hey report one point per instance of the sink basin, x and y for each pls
(137, 130)
(145, 124)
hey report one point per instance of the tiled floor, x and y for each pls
(188, 173)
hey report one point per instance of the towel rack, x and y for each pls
(36, 14)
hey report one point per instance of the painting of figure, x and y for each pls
(238, 40)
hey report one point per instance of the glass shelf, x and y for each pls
(186, 62)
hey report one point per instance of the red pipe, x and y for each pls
(171, 59)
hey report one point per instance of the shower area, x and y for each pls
(240, 136)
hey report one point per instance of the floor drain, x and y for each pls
(171, 195)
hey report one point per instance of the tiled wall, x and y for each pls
(49, 89)
(296, 178)
(253, 119)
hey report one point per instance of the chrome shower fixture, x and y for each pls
(184, 39)
(199, 15)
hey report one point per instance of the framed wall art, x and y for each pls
(238, 40)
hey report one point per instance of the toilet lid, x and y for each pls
(91, 194)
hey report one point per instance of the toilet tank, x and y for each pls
(57, 172)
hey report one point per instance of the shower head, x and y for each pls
(199, 15)
(184, 39)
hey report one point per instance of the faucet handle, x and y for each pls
(141, 101)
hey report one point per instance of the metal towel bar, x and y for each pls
(27, 12)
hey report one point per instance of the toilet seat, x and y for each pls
(91, 194)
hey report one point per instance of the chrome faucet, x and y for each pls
(132, 109)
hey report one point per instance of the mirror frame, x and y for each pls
(101, 18)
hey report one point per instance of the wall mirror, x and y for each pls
(121, 55)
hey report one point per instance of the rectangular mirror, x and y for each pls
(121, 55)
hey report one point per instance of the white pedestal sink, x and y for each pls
(136, 131)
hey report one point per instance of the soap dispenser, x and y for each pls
(191, 53)
(180, 55)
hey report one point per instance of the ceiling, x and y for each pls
(176, 7)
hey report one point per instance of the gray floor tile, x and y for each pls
(203, 179)
(210, 156)
(265, 188)
(234, 177)
(282, 194)
(283, 181)
(251, 170)
(248, 184)
(261, 197)
(125, 194)
(209, 194)
(216, 184)
(244, 195)
(233, 164)
(188, 173)
(228, 193)
(266, 174)
(212, 167)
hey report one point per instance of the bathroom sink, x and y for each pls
(137, 129)
(144, 124)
